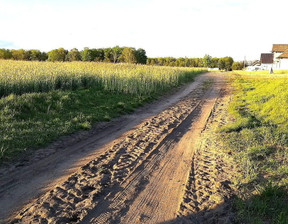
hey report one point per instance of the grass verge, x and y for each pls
(33, 120)
(258, 141)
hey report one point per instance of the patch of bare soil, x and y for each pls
(209, 192)
(145, 175)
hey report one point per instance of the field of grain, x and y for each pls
(26, 77)
(41, 101)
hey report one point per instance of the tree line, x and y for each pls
(225, 63)
(113, 55)
(23, 55)
(119, 54)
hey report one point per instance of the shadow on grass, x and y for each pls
(270, 206)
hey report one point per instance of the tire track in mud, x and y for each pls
(158, 162)
(159, 201)
(124, 168)
(208, 191)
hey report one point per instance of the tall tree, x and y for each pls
(214, 63)
(226, 63)
(116, 53)
(99, 55)
(207, 60)
(237, 65)
(35, 55)
(27, 55)
(86, 54)
(141, 57)
(43, 56)
(18, 54)
(73, 55)
(57, 54)
(108, 56)
(221, 63)
(191, 62)
(5, 54)
(128, 55)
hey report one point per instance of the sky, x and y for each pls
(163, 28)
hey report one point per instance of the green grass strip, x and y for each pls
(258, 140)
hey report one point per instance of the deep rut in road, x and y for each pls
(142, 177)
(208, 191)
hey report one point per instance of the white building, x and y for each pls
(280, 60)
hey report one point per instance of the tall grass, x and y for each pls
(258, 140)
(40, 101)
(18, 77)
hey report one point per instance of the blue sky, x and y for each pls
(163, 28)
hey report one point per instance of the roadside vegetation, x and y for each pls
(258, 141)
(263, 74)
(41, 101)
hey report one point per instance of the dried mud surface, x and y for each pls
(209, 191)
(167, 169)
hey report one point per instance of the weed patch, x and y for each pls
(258, 141)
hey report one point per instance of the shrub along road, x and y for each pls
(148, 167)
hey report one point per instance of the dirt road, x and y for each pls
(155, 166)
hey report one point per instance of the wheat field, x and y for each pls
(18, 77)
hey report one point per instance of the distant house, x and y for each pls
(278, 59)
(280, 52)
(266, 60)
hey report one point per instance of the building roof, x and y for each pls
(284, 55)
(266, 58)
(279, 47)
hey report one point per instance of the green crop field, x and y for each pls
(258, 140)
(41, 101)
(29, 77)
